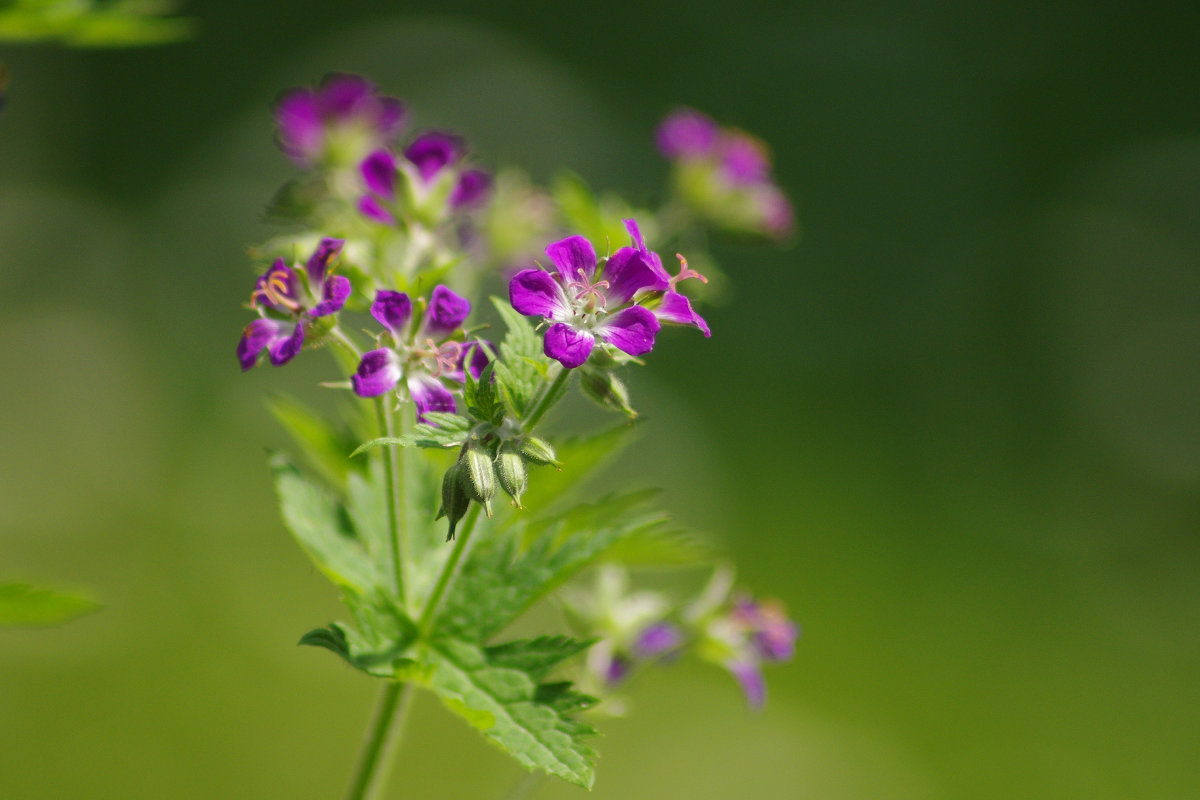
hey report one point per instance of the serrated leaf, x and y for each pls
(27, 606)
(522, 366)
(509, 571)
(380, 656)
(503, 704)
(447, 430)
(581, 456)
(662, 547)
(323, 529)
(537, 657)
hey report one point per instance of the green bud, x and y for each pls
(537, 451)
(478, 476)
(511, 472)
(608, 390)
(455, 500)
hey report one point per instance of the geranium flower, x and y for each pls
(423, 356)
(342, 119)
(425, 161)
(672, 306)
(286, 299)
(585, 301)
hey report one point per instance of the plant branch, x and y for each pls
(547, 399)
(394, 498)
(384, 733)
(449, 571)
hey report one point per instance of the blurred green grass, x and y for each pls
(983, 357)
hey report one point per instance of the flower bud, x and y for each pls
(511, 472)
(478, 476)
(455, 499)
(608, 390)
(537, 451)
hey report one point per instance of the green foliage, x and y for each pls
(482, 398)
(599, 219)
(448, 430)
(323, 444)
(522, 367)
(88, 23)
(581, 456)
(26, 606)
(491, 691)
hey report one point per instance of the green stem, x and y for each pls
(390, 474)
(449, 571)
(526, 786)
(387, 727)
(547, 399)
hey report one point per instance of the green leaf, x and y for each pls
(536, 656)
(510, 570)
(522, 366)
(323, 528)
(323, 445)
(580, 456)
(510, 708)
(378, 655)
(447, 430)
(26, 606)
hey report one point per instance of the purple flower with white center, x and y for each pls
(672, 306)
(340, 120)
(286, 300)
(424, 356)
(585, 301)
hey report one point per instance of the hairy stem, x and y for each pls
(394, 499)
(547, 399)
(449, 571)
(384, 733)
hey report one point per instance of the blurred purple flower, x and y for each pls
(345, 112)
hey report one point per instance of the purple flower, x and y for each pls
(287, 299)
(672, 306)
(585, 301)
(755, 633)
(425, 161)
(424, 356)
(687, 134)
(340, 120)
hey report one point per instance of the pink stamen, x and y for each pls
(685, 272)
(585, 288)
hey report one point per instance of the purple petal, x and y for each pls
(677, 309)
(617, 669)
(571, 255)
(431, 152)
(777, 640)
(636, 233)
(276, 288)
(325, 254)
(392, 309)
(334, 293)
(750, 676)
(378, 171)
(446, 312)
(744, 160)
(631, 330)
(283, 349)
(686, 134)
(650, 256)
(378, 373)
(568, 346)
(628, 272)
(342, 95)
(474, 357)
(471, 189)
(534, 292)
(657, 639)
(429, 394)
(255, 336)
(777, 217)
(391, 117)
(369, 207)
(301, 133)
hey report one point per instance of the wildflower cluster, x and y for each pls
(723, 175)
(400, 232)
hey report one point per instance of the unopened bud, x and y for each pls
(608, 390)
(511, 472)
(478, 476)
(455, 499)
(537, 451)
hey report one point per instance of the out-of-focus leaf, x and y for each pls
(27, 606)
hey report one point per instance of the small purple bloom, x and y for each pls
(671, 306)
(773, 635)
(658, 639)
(471, 190)
(344, 111)
(687, 134)
(432, 152)
(749, 676)
(585, 301)
(287, 299)
(423, 356)
(744, 159)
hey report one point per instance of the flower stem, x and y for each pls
(449, 571)
(547, 399)
(526, 786)
(387, 726)
(394, 499)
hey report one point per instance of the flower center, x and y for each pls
(440, 359)
(585, 295)
(274, 291)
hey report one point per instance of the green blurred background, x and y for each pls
(985, 353)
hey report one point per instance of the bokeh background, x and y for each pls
(979, 489)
